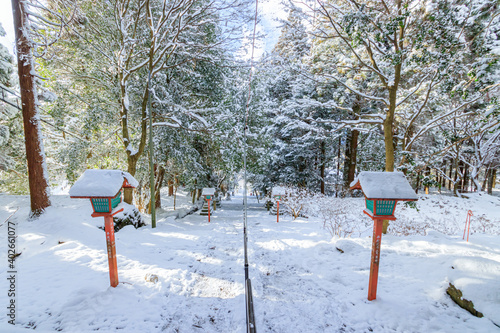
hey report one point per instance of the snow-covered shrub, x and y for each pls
(337, 215)
(295, 201)
(129, 216)
(406, 226)
(444, 214)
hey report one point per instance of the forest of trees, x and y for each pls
(407, 85)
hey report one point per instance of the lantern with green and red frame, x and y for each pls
(278, 193)
(382, 191)
(104, 189)
(208, 194)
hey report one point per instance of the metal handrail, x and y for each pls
(3, 98)
(251, 328)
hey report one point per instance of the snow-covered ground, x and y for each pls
(301, 281)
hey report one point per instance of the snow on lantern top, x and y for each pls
(384, 185)
(101, 183)
(278, 192)
(208, 192)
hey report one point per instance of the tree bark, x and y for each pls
(427, 173)
(194, 191)
(170, 187)
(418, 183)
(465, 186)
(450, 175)
(338, 169)
(492, 180)
(350, 158)
(322, 167)
(486, 177)
(389, 141)
(35, 155)
(159, 182)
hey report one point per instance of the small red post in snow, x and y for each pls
(208, 210)
(277, 193)
(278, 212)
(467, 224)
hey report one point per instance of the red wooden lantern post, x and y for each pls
(278, 211)
(277, 194)
(208, 194)
(109, 228)
(103, 188)
(382, 191)
(208, 209)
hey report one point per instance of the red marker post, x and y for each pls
(467, 223)
(278, 212)
(277, 196)
(208, 210)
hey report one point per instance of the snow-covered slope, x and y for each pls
(301, 281)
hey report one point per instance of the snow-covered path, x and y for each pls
(301, 282)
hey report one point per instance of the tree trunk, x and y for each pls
(443, 177)
(388, 128)
(350, 158)
(465, 186)
(132, 154)
(450, 175)
(418, 183)
(427, 174)
(486, 176)
(492, 180)
(159, 182)
(459, 181)
(35, 155)
(338, 169)
(322, 167)
(194, 191)
(389, 123)
(347, 160)
(175, 196)
(128, 193)
(354, 155)
(170, 187)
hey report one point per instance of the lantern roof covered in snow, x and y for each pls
(278, 190)
(101, 183)
(208, 191)
(384, 185)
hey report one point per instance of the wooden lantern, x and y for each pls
(382, 191)
(103, 188)
(278, 192)
(208, 193)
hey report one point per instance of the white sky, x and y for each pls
(6, 20)
(269, 12)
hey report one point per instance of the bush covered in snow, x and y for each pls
(129, 216)
(295, 201)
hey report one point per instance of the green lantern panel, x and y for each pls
(101, 205)
(383, 207)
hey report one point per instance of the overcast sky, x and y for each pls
(269, 11)
(6, 19)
